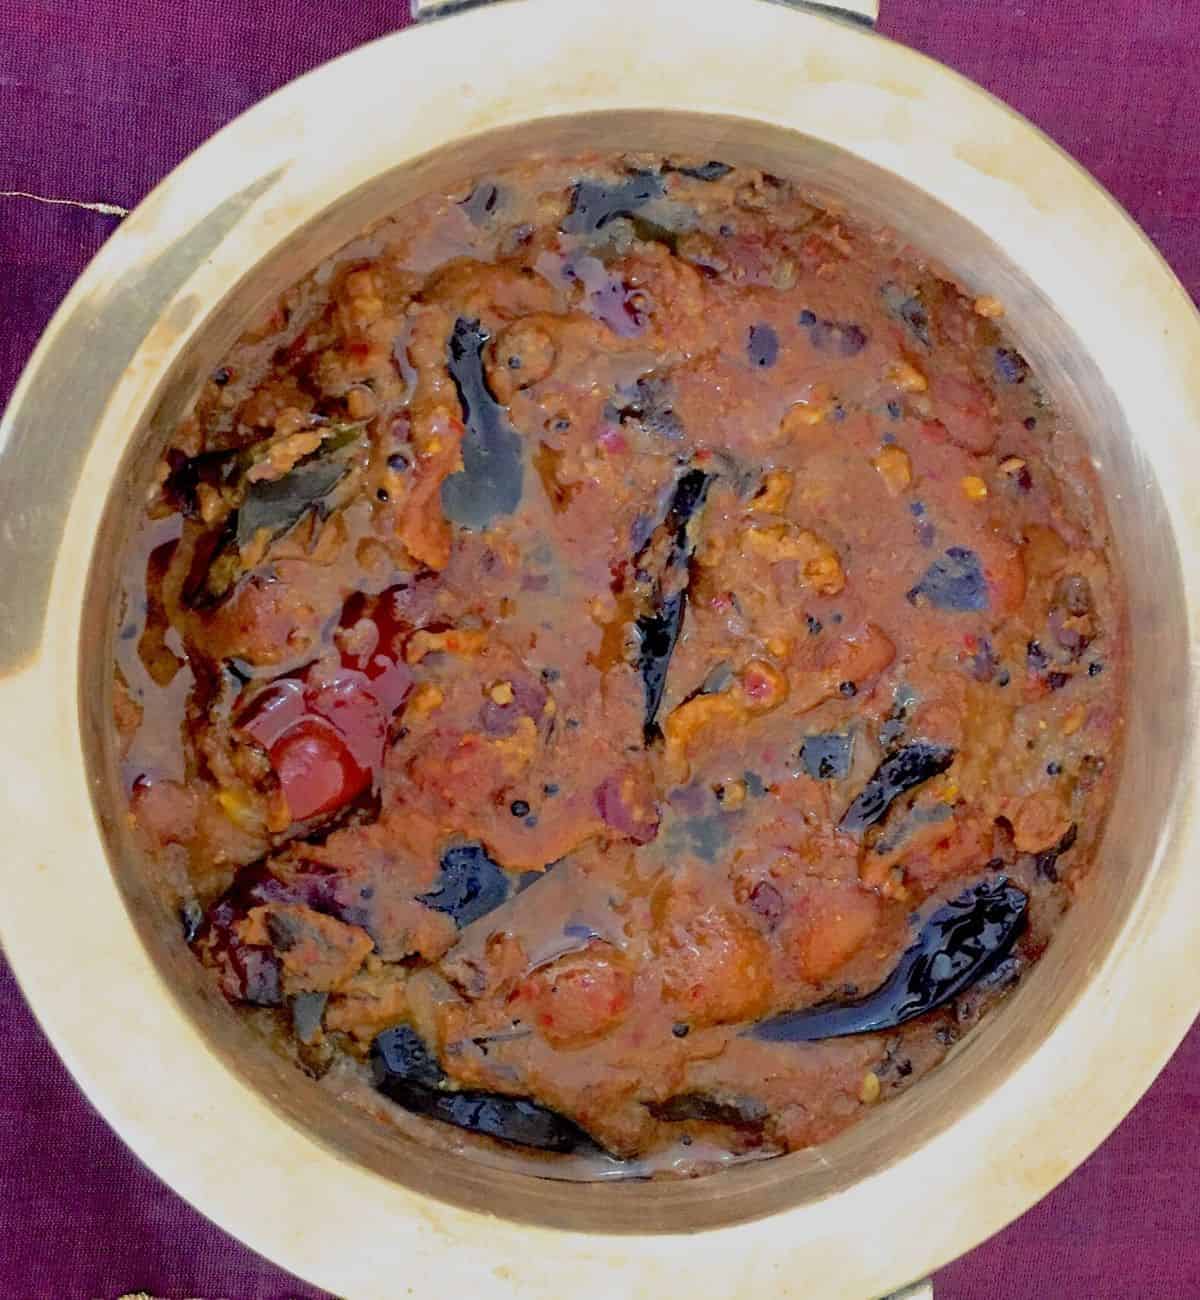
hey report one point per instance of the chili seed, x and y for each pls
(519, 808)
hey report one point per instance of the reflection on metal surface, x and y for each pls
(865, 12)
(100, 337)
(424, 10)
(918, 1291)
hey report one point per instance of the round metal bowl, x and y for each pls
(271, 1156)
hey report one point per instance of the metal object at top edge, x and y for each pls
(864, 12)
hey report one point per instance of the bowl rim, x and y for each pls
(852, 89)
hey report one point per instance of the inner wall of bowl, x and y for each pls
(430, 1164)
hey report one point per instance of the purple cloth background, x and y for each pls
(98, 100)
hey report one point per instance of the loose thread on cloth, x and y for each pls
(108, 209)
